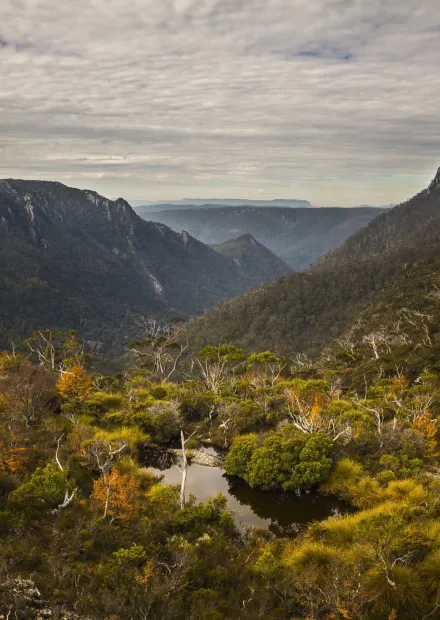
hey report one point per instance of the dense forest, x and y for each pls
(89, 531)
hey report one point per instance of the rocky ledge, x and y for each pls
(199, 458)
(20, 599)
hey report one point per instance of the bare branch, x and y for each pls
(57, 451)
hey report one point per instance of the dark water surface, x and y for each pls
(285, 514)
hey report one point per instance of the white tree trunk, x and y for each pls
(184, 472)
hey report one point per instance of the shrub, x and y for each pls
(310, 554)
(431, 569)
(161, 422)
(44, 490)
(295, 461)
(386, 476)
(238, 458)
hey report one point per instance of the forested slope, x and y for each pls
(306, 311)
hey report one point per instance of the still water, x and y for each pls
(284, 514)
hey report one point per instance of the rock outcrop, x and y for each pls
(20, 599)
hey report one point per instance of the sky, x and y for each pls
(332, 101)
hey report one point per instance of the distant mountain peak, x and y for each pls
(435, 183)
(247, 238)
(248, 253)
(120, 202)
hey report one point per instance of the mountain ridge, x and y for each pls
(75, 259)
(219, 202)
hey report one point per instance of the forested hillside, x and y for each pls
(74, 259)
(406, 228)
(304, 312)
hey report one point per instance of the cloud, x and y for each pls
(335, 101)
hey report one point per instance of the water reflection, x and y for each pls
(285, 514)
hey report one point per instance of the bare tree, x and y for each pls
(212, 373)
(101, 455)
(27, 392)
(68, 497)
(378, 416)
(55, 351)
(184, 470)
(265, 368)
(216, 364)
(303, 414)
(301, 361)
(161, 346)
(379, 340)
(418, 320)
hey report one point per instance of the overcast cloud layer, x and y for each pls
(335, 101)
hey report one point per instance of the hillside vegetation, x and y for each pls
(304, 312)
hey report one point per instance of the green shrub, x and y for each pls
(158, 392)
(296, 461)
(386, 476)
(44, 490)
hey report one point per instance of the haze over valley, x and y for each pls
(298, 236)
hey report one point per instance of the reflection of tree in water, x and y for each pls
(288, 512)
(159, 459)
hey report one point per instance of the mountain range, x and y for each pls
(216, 202)
(297, 236)
(304, 312)
(74, 259)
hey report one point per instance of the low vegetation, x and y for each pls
(102, 536)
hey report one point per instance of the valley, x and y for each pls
(298, 236)
(219, 310)
(317, 392)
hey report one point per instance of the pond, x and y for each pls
(284, 514)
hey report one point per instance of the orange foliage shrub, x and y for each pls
(428, 428)
(75, 385)
(14, 454)
(124, 499)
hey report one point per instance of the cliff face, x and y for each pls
(72, 259)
